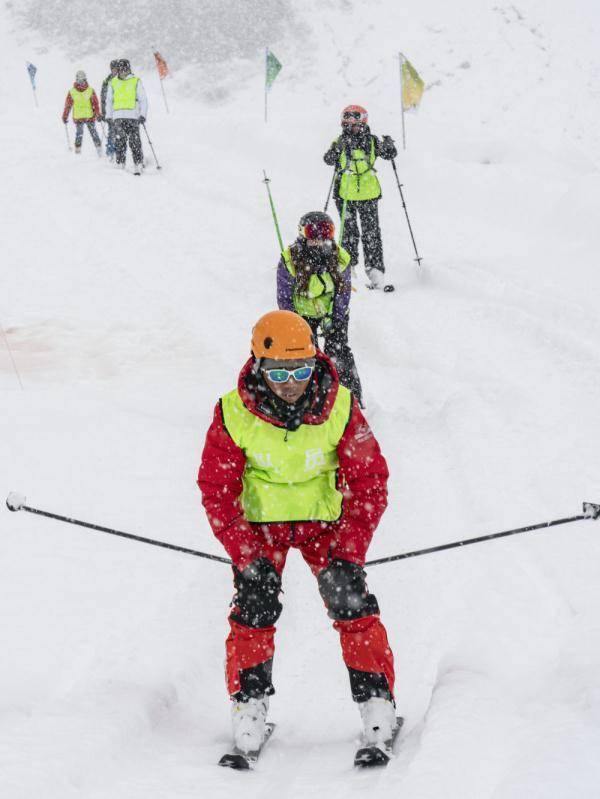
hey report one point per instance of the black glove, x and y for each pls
(388, 146)
(142, 120)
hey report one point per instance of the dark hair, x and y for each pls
(299, 253)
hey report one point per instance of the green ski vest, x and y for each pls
(289, 476)
(317, 302)
(124, 93)
(82, 103)
(359, 181)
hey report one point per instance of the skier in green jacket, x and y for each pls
(354, 153)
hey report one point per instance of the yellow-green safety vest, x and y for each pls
(124, 93)
(317, 301)
(82, 103)
(290, 476)
(359, 181)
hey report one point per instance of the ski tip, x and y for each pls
(236, 762)
(371, 756)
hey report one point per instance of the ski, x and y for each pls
(243, 761)
(368, 756)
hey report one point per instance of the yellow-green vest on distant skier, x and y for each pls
(359, 181)
(290, 476)
(82, 103)
(317, 301)
(124, 93)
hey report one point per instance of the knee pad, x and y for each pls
(257, 592)
(344, 590)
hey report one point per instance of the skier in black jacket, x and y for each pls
(355, 153)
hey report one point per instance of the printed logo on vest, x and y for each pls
(263, 459)
(313, 459)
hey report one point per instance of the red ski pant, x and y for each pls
(364, 642)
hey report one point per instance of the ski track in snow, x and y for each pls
(127, 305)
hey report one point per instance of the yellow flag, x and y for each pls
(412, 85)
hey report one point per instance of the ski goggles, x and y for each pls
(318, 230)
(280, 375)
(352, 115)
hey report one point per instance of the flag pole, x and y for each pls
(162, 88)
(401, 59)
(266, 88)
(35, 99)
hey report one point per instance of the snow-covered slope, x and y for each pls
(127, 306)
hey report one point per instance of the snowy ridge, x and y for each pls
(127, 306)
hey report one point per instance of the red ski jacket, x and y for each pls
(362, 478)
(69, 103)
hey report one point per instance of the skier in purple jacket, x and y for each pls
(314, 280)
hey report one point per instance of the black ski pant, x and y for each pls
(128, 129)
(336, 347)
(79, 132)
(368, 212)
(110, 137)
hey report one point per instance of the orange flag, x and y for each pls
(161, 66)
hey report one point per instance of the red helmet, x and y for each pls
(316, 225)
(355, 114)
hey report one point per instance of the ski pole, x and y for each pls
(68, 137)
(266, 181)
(335, 171)
(158, 166)
(418, 259)
(16, 502)
(590, 511)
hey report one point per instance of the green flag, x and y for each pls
(273, 69)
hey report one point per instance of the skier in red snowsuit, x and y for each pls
(290, 461)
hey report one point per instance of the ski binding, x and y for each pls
(369, 756)
(243, 761)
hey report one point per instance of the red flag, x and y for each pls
(161, 66)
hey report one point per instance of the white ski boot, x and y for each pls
(120, 166)
(376, 281)
(77, 149)
(379, 719)
(137, 169)
(99, 150)
(248, 721)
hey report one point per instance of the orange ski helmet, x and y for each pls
(355, 114)
(283, 336)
